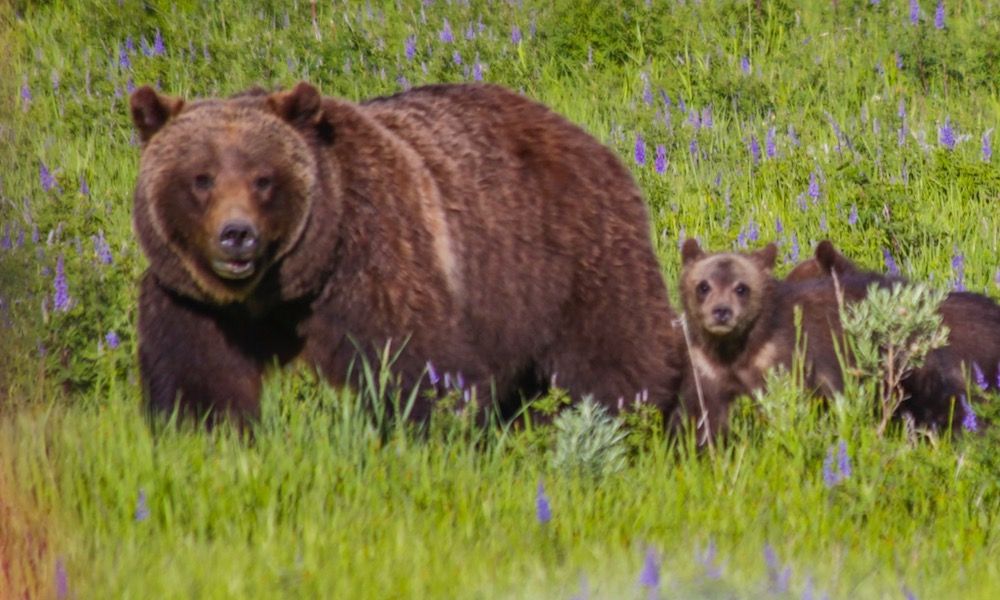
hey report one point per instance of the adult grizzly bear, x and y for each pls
(465, 225)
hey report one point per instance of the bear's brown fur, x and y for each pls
(467, 226)
(741, 323)
(972, 353)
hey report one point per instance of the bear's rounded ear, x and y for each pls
(303, 107)
(690, 251)
(151, 111)
(832, 261)
(766, 256)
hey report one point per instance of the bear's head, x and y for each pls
(226, 188)
(723, 294)
(826, 261)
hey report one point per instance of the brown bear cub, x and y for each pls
(972, 353)
(741, 323)
(473, 231)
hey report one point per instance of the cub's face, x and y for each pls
(723, 294)
(226, 185)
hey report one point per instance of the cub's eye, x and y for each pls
(703, 288)
(263, 183)
(203, 182)
(742, 289)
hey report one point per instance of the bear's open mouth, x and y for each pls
(233, 269)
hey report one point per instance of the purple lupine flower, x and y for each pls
(649, 577)
(794, 254)
(543, 511)
(707, 560)
(899, 60)
(901, 110)
(640, 150)
(470, 32)
(843, 461)
(61, 298)
(969, 422)
(25, 95)
(706, 117)
(130, 45)
(754, 147)
(890, 263)
(84, 188)
(680, 105)
(62, 580)
(822, 223)
(939, 15)
(477, 70)
(515, 35)
(753, 232)
(946, 135)
(830, 478)
(792, 137)
(745, 65)
(647, 92)
(410, 47)
(446, 35)
(147, 50)
(769, 144)
(666, 98)
(852, 217)
(778, 577)
(158, 48)
(102, 249)
(112, 340)
(741, 238)
(141, 509)
(914, 12)
(432, 374)
(5, 242)
(979, 376)
(986, 146)
(456, 57)
(901, 133)
(958, 266)
(403, 82)
(47, 179)
(661, 159)
(908, 593)
(34, 240)
(123, 59)
(813, 186)
(778, 226)
(693, 148)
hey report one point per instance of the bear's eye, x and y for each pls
(703, 288)
(742, 289)
(263, 183)
(203, 182)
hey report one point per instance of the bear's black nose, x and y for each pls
(238, 238)
(722, 314)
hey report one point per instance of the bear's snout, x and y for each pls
(722, 315)
(238, 239)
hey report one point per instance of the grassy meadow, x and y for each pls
(868, 123)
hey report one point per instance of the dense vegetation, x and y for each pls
(870, 123)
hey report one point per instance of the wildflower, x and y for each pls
(914, 12)
(908, 594)
(958, 266)
(647, 91)
(852, 217)
(650, 575)
(46, 177)
(661, 159)
(813, 186)
(843, 461)
(890, 263)
(25, 95)
(477, 70)
(130, 85)
(410, 47)
(822, 223)
(147, 50)
(693, 148)
(640, 150)
(901, 111)
(403, 82)
(829, 474)
(706, 117)
(769, 145)
(939, 15)
(969, 422)
(61, 299)
(112, 340)
(84, 188)
(432, 373)
(745, 65)
(542, 509)
(794, 254)
(899, 60)
(470, 32)
(979, 376)
(901, 135)
(62, 580)
(986, 146)
(753, 232)
(158, 49)
(707, 560)
(778, 226)
(666, 99)
(123, 59)
(778, 577)
(102, 248)
(515, 35)
(694, 119)
(141, 510)
(457, 58)
(946, 135)
(5, 242)
(130, 45)
(754, 150)
(445, 34)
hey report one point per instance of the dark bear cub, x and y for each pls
(741, 323)
(933, 391)
(464, 227)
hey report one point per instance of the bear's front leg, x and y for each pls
(190, 359)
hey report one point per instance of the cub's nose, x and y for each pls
(722, 314)
(238, 238)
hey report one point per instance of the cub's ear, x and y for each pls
(766, 256)
(832, 261)
(302, 107)
(151, 111)
(690, 251)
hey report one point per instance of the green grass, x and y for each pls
(324, 503)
